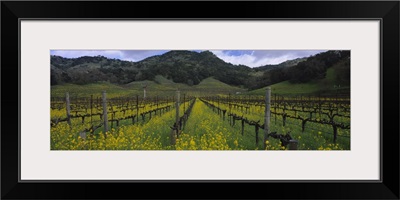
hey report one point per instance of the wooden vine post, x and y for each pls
(91, 109)
(178, 97)
(175, 131)
(105, 118)
(137, 108)
(184, 102)
(229, 113)
(267, 114)
(293, 144)
(68, 108)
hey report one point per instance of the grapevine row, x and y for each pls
(237, 115)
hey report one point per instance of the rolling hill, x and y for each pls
(186, 67)
(329, 85)
(162, 86)
(199, 72)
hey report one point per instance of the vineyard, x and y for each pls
(185, 122)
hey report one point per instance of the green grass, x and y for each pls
(152, 88)
(287, 88)
(159, 87)
(212, 86)
(162, 80)
(211, 82)
(324, 86)
(94, 89)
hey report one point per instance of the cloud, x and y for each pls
(244, 59)
(256, 58)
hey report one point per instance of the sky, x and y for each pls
(251, 58)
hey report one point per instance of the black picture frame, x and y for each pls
(386, 11)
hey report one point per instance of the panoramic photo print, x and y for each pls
(200, 100)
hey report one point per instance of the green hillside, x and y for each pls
(94, 89)
(160, 86)
(327, 85)
(211, 86)
(211, 83)
(191, 68)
